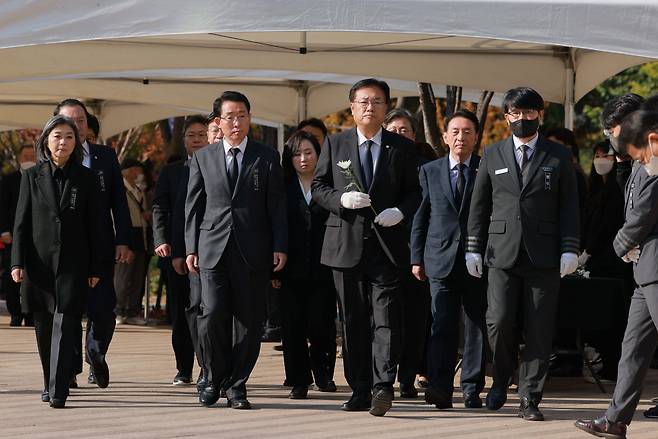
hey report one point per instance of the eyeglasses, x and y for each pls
(234, 117)
(365, 102)
(517, 114)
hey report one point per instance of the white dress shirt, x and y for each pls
(374, 149)
(229, 157)
(307, 195)
(529, 152)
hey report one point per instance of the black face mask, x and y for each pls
(523, 128)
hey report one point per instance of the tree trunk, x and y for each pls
(428, 105)
(453, 100)
(482, 111)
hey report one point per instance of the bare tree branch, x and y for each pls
(428, 105)
(482, 111)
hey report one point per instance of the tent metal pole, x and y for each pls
(302, 100)
(280, 139)
(569, 93)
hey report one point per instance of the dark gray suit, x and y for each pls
(234, 236)
(521, 231)
(641, 338)
(438, 238)
(368, 260)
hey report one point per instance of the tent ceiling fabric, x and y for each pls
(105, 48)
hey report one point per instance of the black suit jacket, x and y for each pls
(306, 227)
(439, 228)
(255, 213)
(56, 241)
(543, 215)
(11, 185)
(166, 191)
(113, 214)
(395, 184)
(178, 215)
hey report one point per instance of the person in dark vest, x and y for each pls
(55, 250)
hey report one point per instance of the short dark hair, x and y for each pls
(131, 163)
(230, 96)
(71, 102)
(315, 123)
(651, 103)
(616, 109)
(191, 120)
(93, 124)
(292, 146)
(566, 136)
(371, 82)
(636, 127)
(401, 113)
(466, 114)
(524, 98)
(41, 146)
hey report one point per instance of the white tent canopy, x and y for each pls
(103, 50)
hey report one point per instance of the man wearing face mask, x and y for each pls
(11, 185)
(636, 242)
(129, 278)
(523, 224)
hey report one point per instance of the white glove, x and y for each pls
(568, 263)
(474, 264)
(632, 256)
(583, 258)
(389, 217)
(354, 200)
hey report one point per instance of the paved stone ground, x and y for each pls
(141, 402)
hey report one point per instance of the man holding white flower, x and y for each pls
(366, 177)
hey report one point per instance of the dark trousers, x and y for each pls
(368, 296)
(637, 350)
(56, 339)
(181, 338)
(231, 320)
(129, 285)
(192, 312)
(273, 313)
(101, 322)
(415, 301)
(459, 291)
(531, 294)
(309, 331)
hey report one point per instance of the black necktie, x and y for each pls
(524, 164)
(59, 183)
(233, 169)
(461, 184)
(367, 165)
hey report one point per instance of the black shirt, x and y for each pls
(60, 175)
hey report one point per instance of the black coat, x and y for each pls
(306, 226)
(395, 184)
(544, 213)
(11, 185)
(56, 243)
(166, 191)
(113, 213)
(439, 228)
(255, 213)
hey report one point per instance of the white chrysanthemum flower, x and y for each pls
(345, 164)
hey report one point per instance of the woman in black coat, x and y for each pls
(308, 297)
(54, 255)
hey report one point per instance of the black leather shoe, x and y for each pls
(91, 379)
(359, 402)
(28, 320)
(329, 387)
(45, 396)
(16, 321)
(298, 392)
(496, 398)
(651, 413)
(382, 401)
(73, 382)
(408, 391)
(209, 395)
(181, 380)
(201, 383)
(441, 400)
(472, 401)
(57, 403)
(239, 404)
(601, 427)
(529, 410)
(101, 371)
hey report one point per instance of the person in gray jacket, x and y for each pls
(637, 243)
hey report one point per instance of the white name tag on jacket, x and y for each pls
(502, 171)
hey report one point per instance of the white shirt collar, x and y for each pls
(307, 195)
(454, 162)
(242, 145)
(531, 144)
(85, 146)
(377, 138)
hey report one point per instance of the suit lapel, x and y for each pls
(382, 160)
(45, 183)
(446, 185)
(353, 149)
(70, 181)
(248, 161)
(472, 173)
(537, 159)
(223, 174)
(510, 163)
